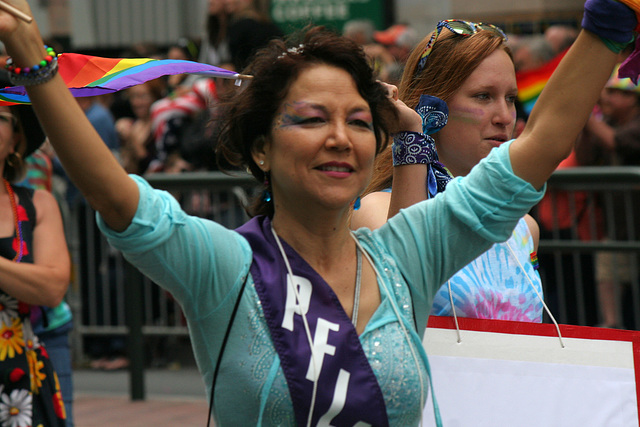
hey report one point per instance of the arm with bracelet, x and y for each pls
(77, 144)
(417, 170)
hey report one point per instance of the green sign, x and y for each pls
(291, 15)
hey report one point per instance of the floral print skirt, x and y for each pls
(29, 389)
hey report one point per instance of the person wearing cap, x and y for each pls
(35, 270)
(612, 138)
(616, 126)
(397, 42)
(399, 39)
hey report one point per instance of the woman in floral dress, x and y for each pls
(34, 270)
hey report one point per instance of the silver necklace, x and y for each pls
(356, 293)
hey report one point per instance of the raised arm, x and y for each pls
(568, 98)
(409, 185)
(409, 180)
(87, 160)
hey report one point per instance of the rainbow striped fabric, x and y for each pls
(633, 4)
(92, 75)
(531, 82)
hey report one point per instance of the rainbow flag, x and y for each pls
(531, 82)
(92, 75)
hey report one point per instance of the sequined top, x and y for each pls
(204, 265)
(499, 284)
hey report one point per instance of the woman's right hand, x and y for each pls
(8, 22)
(408, 118)
(22, 40)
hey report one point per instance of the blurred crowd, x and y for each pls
(168, 125)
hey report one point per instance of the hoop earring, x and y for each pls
(13, 159)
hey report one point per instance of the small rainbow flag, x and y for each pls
(93, 75)
(531, 82)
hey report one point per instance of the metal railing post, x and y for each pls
(135, 341)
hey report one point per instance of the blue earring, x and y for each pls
(356, 204)
(266, 195)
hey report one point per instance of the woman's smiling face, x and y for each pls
(322, 144)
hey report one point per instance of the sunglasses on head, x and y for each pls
(461, 28)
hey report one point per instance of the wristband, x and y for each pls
(411, 148)
(40, 73)
(434, 113)
(420, 148)
(609, 20)
(614, 47)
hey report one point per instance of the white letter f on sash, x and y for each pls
(321, 347)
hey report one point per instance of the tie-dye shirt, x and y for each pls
(499, 284)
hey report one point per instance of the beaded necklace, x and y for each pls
(16, 221)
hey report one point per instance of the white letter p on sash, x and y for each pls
(294, 306)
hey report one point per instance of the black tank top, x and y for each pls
(27, 216)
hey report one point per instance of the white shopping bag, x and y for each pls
(505, 373)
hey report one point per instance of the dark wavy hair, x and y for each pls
(248, 117)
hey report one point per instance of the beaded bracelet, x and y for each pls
(40, 73)
(410, 148)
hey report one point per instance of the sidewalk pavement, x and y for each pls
(173, 398)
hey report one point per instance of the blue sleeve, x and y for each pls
(197, 260)
(432, 240)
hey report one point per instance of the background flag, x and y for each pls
(531, 82)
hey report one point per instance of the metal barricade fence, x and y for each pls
(589, 245)
(99, 296)
(589, 212)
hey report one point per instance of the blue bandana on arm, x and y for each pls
(435, 114)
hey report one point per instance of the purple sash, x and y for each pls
(348, 392)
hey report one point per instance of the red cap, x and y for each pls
(390, 35)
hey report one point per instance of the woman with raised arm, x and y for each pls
(470, 67)
(299, 320)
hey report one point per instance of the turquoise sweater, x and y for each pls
(204, 264)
